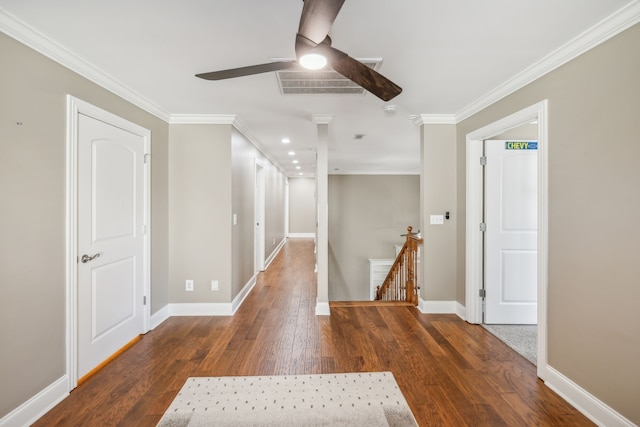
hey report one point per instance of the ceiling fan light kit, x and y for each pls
(313, 42)
(313, 61)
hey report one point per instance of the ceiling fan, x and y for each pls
(314, 51)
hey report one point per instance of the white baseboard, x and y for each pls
(302, 235)
(201, 309)
(271, 257)
(593, 408)
(160, 316)
(438, 307)
(34, 408)
(322, 309)
(461, 311)
(239, 299)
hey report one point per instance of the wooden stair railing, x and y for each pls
(400, 283)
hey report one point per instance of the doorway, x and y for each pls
(108, 236)
(474, 217)
(510, 231)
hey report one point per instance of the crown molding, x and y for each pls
(253, 140)
(203, 119)
(27, 35)
(435, 119)
(602, 31)
(322, 119)
(225, 119)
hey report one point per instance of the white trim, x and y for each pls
(31, 410)
(473, 265)
(437, 307)
(75, 107)
(274, 253)
(610, 26)
(593, 408)
(323, 308)
(298, 235)
(202, 119)
(461, 311)
(244, 292)
(435, 119)
(201, 309)
(160, 316)
(322, 119)
(244, 131)
(371, 172)
(29, 36)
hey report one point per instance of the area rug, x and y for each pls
(353, 399)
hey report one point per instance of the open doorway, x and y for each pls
(474, 206)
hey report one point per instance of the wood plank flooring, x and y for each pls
(451, 373)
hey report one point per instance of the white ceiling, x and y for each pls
(446, 55)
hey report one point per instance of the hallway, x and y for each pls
(450, 372)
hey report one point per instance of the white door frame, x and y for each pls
(75, 107)
(474, 199)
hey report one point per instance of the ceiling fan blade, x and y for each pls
(248, 71)
(362, 75)
(317, 18)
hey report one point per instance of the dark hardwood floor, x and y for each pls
(451, 373)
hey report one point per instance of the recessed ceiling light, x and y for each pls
(286, 140)
(297, 167)
(295, 161)
(300, 173)
(291, 153)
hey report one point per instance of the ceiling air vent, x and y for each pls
(300, 81)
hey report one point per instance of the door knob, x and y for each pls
(86, 258)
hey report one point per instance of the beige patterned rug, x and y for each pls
(353, 399)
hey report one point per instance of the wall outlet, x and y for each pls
(188, 285)
(214, 285)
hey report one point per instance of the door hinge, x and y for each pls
(144, 300)
(147, 157)
(483, 293)
(483, 160)
(483, 227)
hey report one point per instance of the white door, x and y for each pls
(111, 266)
(259, 218)
(511, 217)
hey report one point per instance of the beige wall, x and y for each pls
(244, 158)
(438, 191)
(302, 205)
(243, 207)
(33, 92)
(200, 212)
(367, 215)
(594, 205)
(275, 201)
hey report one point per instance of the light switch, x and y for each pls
(437, 219)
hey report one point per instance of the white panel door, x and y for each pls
(110, 240)
(511, 217)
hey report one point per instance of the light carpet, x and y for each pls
(521, 338)
(352, 399)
